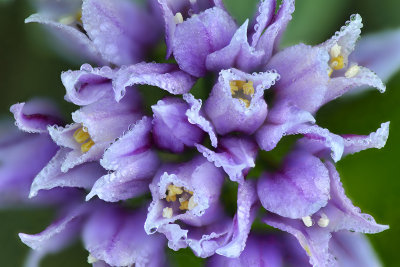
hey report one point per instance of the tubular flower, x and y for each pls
(147, 139)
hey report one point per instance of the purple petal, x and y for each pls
(171, 128)
(131, 164)
(228, 113)
(119, 29)
(304, 76)
(51, 176)
(76, 40)
(299, 189)
(379, 52)
(238, 54)
(197, 37)
(196, 117)
(269, 40)
(247, 204)
(235, 155)
(263, 17)
(116, 237)
(34, 116)
(165, 76)
(88, 84)
(353, 249)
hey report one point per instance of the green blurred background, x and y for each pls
(30, 67)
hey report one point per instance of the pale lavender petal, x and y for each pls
(87, 85)
(298, 190)
(35, 115)
(131, 164)
(228, 113)
(171, 128)
(116, 237)
(304, 76)
(379, 52)
(76, 40)
(165, 76)
(119, 29)
(247, 203)
(353, 249)
(269, 40)
(356, 143)
(196, 117)
(198, 36)
(82, 176)
(238, 54)
(263, 17)
(234, 154)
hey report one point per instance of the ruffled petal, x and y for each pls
(238, 54)
(165, 76)
(115, 237)
(197, 37)
(34, 116)
(51, 176)
(229, 113)
(171, 128)
(299, 189)
(235, 155)
(87, 85)
(263, 17)
(196, 117)
(119, 29)
(269, 40)
(131, 164)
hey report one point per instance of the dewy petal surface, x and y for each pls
(197, 37)
(298, 190)
(171, 128)
(228, 113)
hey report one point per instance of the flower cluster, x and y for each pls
(173, 158)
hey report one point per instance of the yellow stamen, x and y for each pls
(184, 205)
(167, 212)
(241, 90)
(171, 198)
(335, 51)
(330, 70)
(86, 146)
(248, 88)
(337, 63)
(246, 101)
(352, 71)
(81, 135)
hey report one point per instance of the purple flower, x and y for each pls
(116, 32)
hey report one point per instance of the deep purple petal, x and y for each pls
(165, 76)
(34, 116)
(235, 155)
(171, 128)
(197, 37)
(299, 189)
(117, 237)
(228, 113)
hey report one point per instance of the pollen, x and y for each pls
(337, 63)
(191, 204)
(323, 221)
(81, 135)
(178, 18)
(184, 196)
(335, 51)
(242, 90)
(86, 146)
(167, 212)
(184, 205)
(307, 221)
(352, 71)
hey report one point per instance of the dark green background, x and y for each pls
(30, 67)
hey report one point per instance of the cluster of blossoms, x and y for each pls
(172, 160)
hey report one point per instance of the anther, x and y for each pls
(91, 259)
(81, 135)
(335, 50)
(323, 221)
(352, 71)
(167, 212)
(86, 146)
(191, 204)
(307, 221)
(178, 18)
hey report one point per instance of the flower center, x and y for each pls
(242, 90)
(82, 136)
(181, 194)
(338, 62)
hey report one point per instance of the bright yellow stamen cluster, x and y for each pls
(337, 63)
(82, 136)
(185, 197)
(241, 89)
